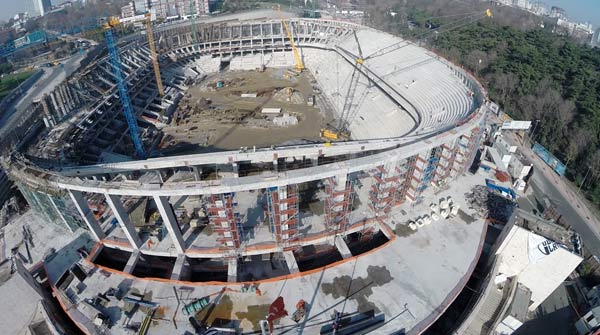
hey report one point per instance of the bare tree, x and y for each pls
(505, 84)
(477, 60)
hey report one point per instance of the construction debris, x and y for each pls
(487, 204)
(477, 200)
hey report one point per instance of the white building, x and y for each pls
(528, 265)
(41, 7)
(166, 8)
(128, 10)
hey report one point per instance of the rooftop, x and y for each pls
(421, 271)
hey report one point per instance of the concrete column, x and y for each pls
(291, 261)
(341, 182)
(178, 267)
(61, 93)
(114, 201)
(197, 173)
(72, 97)
(61, 102)
(342, 247)
(64, 105)
(63, 88)
(55, 105)
(232, 271)
(49, 116)
(236, 170)
(133, 259)
(87, 215)
(170, 222)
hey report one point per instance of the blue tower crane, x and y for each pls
(115, 60)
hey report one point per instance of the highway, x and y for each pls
(546, 183)
(52, 77)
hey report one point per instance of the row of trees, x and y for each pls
(533, 73)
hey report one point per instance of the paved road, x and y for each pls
(554, 316)
(546, 183)
(49, 80)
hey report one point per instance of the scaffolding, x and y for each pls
(388, 187)
(283, 206)
(224, 220)
(418, 165)
(338, 205)
(402, 193)
(447, 159)
(465, 148)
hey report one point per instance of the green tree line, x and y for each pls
(538, 75)
(532, 73)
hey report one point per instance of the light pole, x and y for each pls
(532, 131)
(583, 181)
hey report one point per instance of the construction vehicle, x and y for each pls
(299, 67)
(341, 132)
(329, 134)
(352, 102)
(153, 55)
(502, 191)
(115, 60)
(193, 18)
(109, 24)
(333, 134)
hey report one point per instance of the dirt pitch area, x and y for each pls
(213, 117)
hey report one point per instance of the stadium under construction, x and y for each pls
(262, 180)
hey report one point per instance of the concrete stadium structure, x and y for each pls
(417, 128)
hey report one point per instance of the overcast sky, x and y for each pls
(579, 10)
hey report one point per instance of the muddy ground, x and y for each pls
(211, 119)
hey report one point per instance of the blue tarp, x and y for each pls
(549, 159)
(504, 190)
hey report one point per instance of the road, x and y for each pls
(546, 183)
(52, 77)
(554, 316)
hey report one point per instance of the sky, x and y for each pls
(578, 10)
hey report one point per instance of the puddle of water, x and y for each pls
(359, 289)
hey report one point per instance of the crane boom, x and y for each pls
(153, 55)
(115, 60)
(193, 18)
(457, 24)
(299, 64)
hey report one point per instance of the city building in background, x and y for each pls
(42, 6)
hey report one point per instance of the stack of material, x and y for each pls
(487, 204)
(477, 200)
(285, 120)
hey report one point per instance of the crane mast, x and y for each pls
(299, 64)
(193, 18)
(115, 61)
(153, 55)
